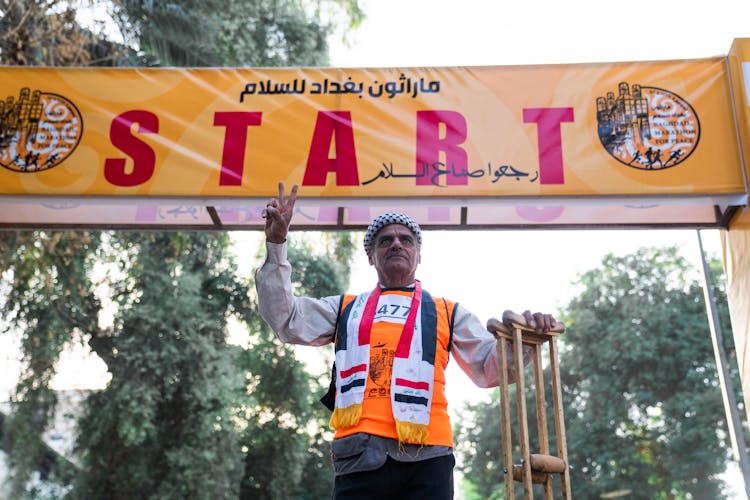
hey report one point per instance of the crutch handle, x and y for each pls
(511, 318)
(536, 476)
(498, 328)
(547, 463)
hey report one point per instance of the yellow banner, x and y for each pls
(739, 63)
(627, 129)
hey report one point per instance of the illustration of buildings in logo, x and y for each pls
(647, 128)
(38, 131)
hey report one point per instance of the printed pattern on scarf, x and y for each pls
(413, 371)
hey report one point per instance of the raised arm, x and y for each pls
(296, 320)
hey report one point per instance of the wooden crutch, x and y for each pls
(535, 468)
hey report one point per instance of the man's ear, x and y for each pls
(369, 259)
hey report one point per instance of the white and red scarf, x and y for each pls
(413, 372)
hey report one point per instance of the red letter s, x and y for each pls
(144, 159)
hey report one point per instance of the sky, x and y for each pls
(488, 272)
(477, 32)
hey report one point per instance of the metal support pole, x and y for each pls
(734, 424)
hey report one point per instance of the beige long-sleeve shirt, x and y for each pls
(312, 321)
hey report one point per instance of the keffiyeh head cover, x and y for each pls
(390, 218)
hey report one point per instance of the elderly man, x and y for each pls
(393, 435)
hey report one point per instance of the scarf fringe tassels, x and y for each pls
(346, 417)
(411, 433)
(411, 383)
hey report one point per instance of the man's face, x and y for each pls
(395, 255)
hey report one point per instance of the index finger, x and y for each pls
(282, 195)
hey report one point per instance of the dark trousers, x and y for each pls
(430, 479)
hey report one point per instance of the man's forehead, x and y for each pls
(394, 228)
(388, 219)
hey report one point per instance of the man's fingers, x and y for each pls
(545, 322)
(271, 206)
(539, 321)
(284, 203)
(529, 318)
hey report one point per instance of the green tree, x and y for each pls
(233, 33)
(288, 452)
(182, 406)
(50, 298)
(643, 407)
(47, 33)
(478, 442)
(170, 421)
(164, 426)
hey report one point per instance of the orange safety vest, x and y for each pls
(377, 414)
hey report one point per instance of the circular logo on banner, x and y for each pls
(647, 128)
(38, 132)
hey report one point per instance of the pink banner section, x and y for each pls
(66, 214)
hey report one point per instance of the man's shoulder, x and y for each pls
(450, 303)
(348, 297)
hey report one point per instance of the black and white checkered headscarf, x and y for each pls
(390, 218)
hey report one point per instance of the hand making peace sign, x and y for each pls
(278, 214)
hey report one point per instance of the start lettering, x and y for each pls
(438, 132)
(332, 127)
(235, 144)
(549, 140)
(430, 144)
(116, 170)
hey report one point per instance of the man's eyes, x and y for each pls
(386, 241)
